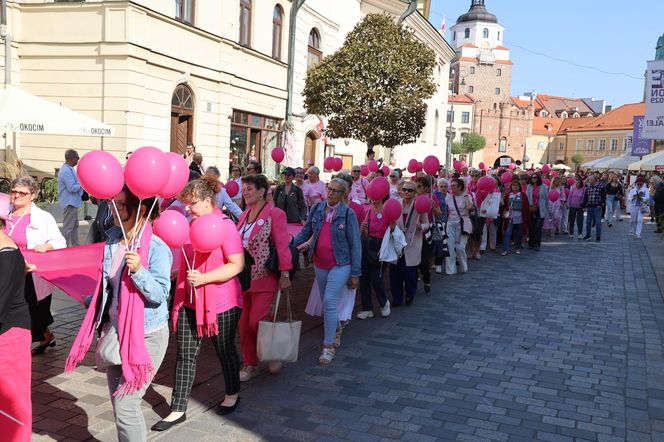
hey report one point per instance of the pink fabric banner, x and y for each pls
(75, 270)
(294, 229)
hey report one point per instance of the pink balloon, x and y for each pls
(567, 192)
(147, 172)
(100, 174)
(482, 166)
(172, 227)
(419, 166)
(546, 181)
(506, 178)
(178, 177)
(206, 233)
(554, 195)
(570, 181)
(232, 188)
(463, 164)
(487, 184)
(457, 165)
(431, 165)
(386, 170)
(412, 166)
(364, 170)
(338, 164)
(378, 189)
(512, 166)
(278, 154)
(554, 174)
(372, 165)
(422, 204)
(328, 164)
(545, 168)
(392, 210)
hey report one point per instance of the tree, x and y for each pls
(457, 148)
(375, 86)
(577, 158)
(471, 143)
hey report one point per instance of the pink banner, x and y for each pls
(294, 229)
(75, 270)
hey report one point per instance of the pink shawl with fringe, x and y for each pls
(137, 366)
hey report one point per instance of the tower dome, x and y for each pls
(477, 12)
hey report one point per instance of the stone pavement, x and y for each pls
(560, 345)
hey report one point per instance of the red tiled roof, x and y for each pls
(555, 104)
(523, 104)
(501, 48)
(618, 119)
(469, 45)
(475, 60)
(546, 125)
(460, 98)
(574, 123)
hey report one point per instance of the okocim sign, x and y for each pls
(24, 113)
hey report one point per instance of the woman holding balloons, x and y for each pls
(403, 274)
(423, 188)
(554, 212)
(208, 300)
(459, 226)
(515, 217)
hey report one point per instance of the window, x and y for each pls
(614, 144)
(450, 116)
(463, 136)
(472, 70)
(602, 145)
(314, 54)
(497, 91)
(454, 36)
(245, 22)
(579, 145)
(590, 145)
(563, 114)
(466, 33)
(543, 113)
(498, 35)
(485, 33)
(499, 72)
(561, 146)
(277, 27)
(540, 145)
(576, 115)
(502, 147)
(436, 129)
(184, 10)
(465, 117)
(627, 142)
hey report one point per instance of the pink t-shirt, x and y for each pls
(229, 293)
(314, 192)
(324, 253)
(378, 224)
(15, 228)
(358, 190)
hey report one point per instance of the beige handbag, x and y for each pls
(279, 341)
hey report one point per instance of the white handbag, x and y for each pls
(279, 341)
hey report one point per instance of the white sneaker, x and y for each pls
(275, 367)
(638, 236)
(580, 236)
(571, 236)
(247, 372)
(365, 314)
(385, 311)
(650, 222)
(439, 269)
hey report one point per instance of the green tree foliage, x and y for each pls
(577, 158)
(457, 148)
(375, 86)
(471, 143)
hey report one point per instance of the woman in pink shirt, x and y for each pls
(207, 302)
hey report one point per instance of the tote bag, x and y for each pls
(279, 341)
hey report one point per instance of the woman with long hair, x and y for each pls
(614, 195)
(515, 217)
(207, 303)
(459, 226)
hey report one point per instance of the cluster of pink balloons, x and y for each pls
(458, 165)
(205, 233)
(333, 163)
(487, 184)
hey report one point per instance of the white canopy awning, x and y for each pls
(22, 112)
(561, 167)
(591, 164)
(649, 162)
(620, 162)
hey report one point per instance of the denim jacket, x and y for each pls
(154, 282)
(346, 241)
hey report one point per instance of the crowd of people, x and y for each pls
(336, 226)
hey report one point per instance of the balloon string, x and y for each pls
(132, 247)
(140, 236)
(124, 234)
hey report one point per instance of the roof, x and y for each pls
(554, 105)
(460, 98)
(618, 119)
(546, 125)
(476, 60)
(501, 48)
(469, 45)
(574, 123)
(523, 104)
(477, 12)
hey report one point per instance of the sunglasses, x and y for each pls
(19, 193)
(409, 189)
(356, 171)
(251, 168)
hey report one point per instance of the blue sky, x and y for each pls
(612, 35)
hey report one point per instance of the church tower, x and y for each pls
(482, 66)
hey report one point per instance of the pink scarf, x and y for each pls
(137, 366)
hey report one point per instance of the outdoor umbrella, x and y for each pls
(591, 164)
(22, 112)
(620, 162)
(654, 161)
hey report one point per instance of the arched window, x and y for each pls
(314, 53)
(277, 27)
(245, 22)
(436, 129)
(466, 33)
(182, 118)
(485, 33)
(563, 115)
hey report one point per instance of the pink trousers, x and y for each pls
(15, 376)
(256, 308)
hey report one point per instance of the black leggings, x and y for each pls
(189, 344)
(40, 311)
(425, 263)
(575, 215)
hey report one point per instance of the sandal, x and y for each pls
(326, 356)
(41, 348)
(337, 338)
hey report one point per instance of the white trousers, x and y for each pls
(457, 250)
(636, 221)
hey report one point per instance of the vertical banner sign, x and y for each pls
(653, 123)
(640, 145)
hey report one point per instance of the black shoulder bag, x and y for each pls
(272, 263)
(370, 246)
(463, 231)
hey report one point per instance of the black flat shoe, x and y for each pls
(162, 425)
(409, 300)
(223, 410)
(42, 348)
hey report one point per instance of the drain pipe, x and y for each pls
(292, 28)
(4, 33)
(412, 7)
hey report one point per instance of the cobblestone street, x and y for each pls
(564, 344)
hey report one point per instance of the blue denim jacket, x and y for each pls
(346, 241)
(154, 282)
